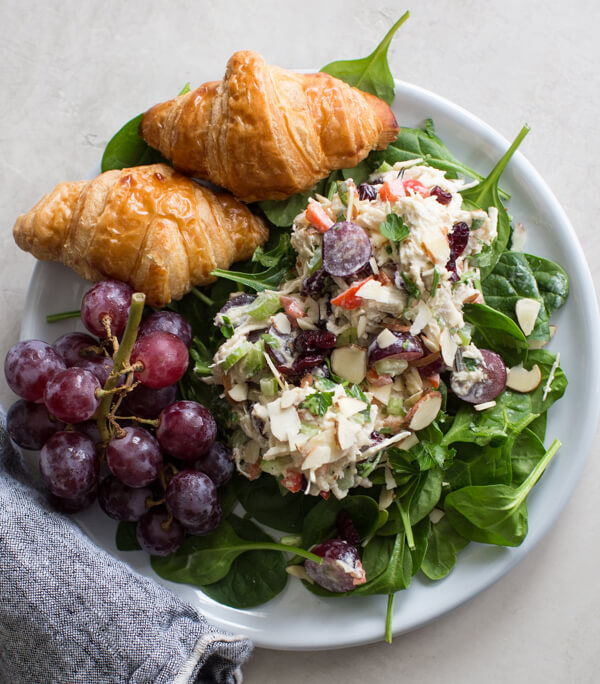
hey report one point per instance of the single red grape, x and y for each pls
(30, 425)
(217, 463)
(135, 458)
(74, 347)
(107, 298)
(100, 366)
(186, 430)
(71, 395)
(145, 402)
(29, 366)
(121, 502)
(69, 465)
(192, 499)
(167, 321)
(154, 538)
(164, 357)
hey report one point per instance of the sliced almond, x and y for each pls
(285, 423)
(485, 405)
(345, 432)
(522, 380)
(282, 323)
(381, 393)
(350, 363)
(349, 406)
(238, 392)
(435, 245)
(424, 412)
(527, 311)
(386, 339)
(552, 331)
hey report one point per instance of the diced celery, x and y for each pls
(391, 366)
(265, 305)
(346, 337)
(383, 168)
(395, 406)
(236, 355)
(342, 189)
(309, 429)
(271, 340)
(268, 386)
(255, 359)
(465, 334)
(271, 467)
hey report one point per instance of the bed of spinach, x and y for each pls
(475, 468)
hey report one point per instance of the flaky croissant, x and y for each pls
(148, 226)
(268, 133)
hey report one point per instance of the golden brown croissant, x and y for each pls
(148, 226)
(268, 133)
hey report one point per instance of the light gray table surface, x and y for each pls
(73, 72)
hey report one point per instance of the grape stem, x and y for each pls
(120, 361)
(147, 421)
(65, 315)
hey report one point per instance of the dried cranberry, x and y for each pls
(458, 238)
(451, 266)
(346, 529)
(441, 196)
(311, 340)
(304, 363)
(377, 436)
(366, 192)
(314, 284)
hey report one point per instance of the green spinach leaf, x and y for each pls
(372, 73)
(494, 330)
(443, 545)
(320, 522)
(528, 449)
(485, 195)
(495, 514)
(512, 279)
(204, 560)
(552, 282)
(255, 577)
(264, 501)
(279, 253)
(127, 148)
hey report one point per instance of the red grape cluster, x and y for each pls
(87, 405)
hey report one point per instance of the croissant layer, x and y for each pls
(148, 226)
(268, 133)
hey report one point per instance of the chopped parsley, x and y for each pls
(394, 228)
(318, 403)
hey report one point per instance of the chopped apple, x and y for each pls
(522, 380)
(350, 363)
(424, 412)
(527, 311)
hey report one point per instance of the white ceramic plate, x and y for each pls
(297, 619)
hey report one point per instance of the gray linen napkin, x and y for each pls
(70, 612)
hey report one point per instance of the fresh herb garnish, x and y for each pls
(394, 228)
(318, 403)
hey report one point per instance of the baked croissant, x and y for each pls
(268, 133)
(148, 226)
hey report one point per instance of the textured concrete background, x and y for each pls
(73, 72)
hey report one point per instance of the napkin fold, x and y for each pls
(70, 612)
